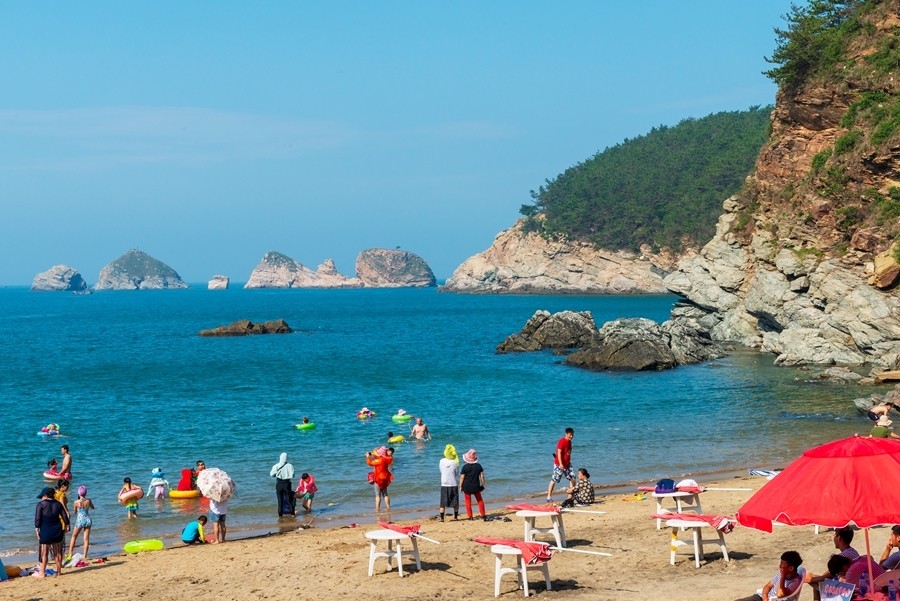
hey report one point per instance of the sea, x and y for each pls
(134, 387)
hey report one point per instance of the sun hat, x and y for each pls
(401, 412)
(82, 491)
(471, 456)
(45, 492)
(884, 421)
(381, 451)
(450, 453)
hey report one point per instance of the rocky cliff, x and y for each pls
(280, 271)
(393, 268)
(136, 270)
(803, 263)
(525, 263)
(59, 278)
(218, 282)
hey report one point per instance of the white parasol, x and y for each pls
(215, 484)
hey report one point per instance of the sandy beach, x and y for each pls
(318, 563)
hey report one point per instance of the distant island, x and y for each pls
(136, 270)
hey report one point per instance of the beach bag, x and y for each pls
(665, 485)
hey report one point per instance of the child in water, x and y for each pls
(306, 490)
(158, 483)
(131, 505)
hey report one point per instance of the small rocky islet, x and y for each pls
(137, 270)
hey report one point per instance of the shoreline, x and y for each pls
(333, 560)
(419, 512)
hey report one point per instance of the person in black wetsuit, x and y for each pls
(51, 521)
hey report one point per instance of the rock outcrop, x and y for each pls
(563, 330)
(392, 268)
(277, 270)
(136, 270)
(801, 264)
(59, 278)
(525, 263)
(218, 282)
(625, 344)
(245, 327)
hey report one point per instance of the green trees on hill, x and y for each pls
(663, 189)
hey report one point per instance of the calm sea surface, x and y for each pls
(133, 387)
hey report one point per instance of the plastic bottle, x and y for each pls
(863, 587)
(892, 590)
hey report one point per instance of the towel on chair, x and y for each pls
(531, 552)
(530, 507)
(407, 530)
(721, 523)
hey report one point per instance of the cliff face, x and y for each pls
(136, 270)
(802, 263)
(523, 263)
(59, 278)
(280, 271)
(392, 268)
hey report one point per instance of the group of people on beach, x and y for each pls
(847, 565)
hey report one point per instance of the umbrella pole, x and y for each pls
(869, 560)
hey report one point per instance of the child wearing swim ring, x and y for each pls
(131, 505)
(306, 490)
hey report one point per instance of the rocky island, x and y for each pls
(59, 278)
(245, 327)
(393, 268)
(136, 270)
(277, 270)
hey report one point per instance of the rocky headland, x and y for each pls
(393, 268)
(136, 270)
(526, 263)
(59, 278)
(621, 344)
(804, 261)
(245, 327)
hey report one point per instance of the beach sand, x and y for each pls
(332, 563)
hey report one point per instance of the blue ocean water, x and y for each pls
(134, 387)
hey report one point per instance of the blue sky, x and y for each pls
(207, 133)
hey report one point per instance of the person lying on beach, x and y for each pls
(785, 582)
(193, 532)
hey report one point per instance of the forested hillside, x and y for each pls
(664, 189)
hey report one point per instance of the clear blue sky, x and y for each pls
(206, 133)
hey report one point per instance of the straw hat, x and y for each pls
(884, 421)
(471, 456)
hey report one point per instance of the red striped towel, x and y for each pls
(530, 507)
(531, 552)
(407, 530)
(722, 523)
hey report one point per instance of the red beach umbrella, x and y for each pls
(852, 481)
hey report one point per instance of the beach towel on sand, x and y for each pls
(531, 552)
(721, 523)
(411, 530)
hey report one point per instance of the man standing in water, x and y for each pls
(66, 470)
(420, 430)
(562, 463)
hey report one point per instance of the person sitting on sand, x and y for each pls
(786, 581)
(583, 491)
(193, 533)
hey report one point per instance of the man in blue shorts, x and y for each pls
(562, 462)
